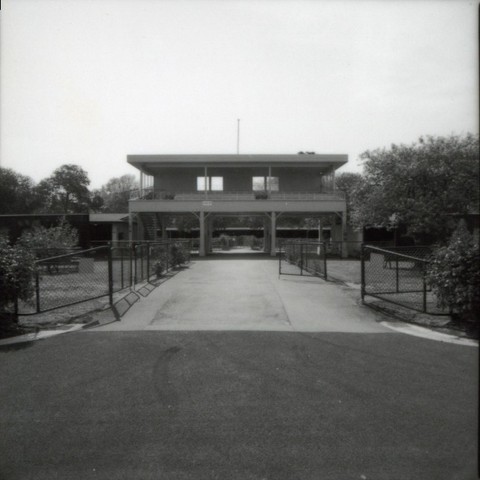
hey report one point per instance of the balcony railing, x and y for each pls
(151, 194)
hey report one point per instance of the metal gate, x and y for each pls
(303, 258)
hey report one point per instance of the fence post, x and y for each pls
(424, 290)
(121, 266)
(110, 276)
(301, 259)
(324, 245)
(362, 270)
(37, 290)
(134, 247)
(148, 262)
(280, 260)
(396, 274)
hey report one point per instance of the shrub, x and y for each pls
(17, 268)
(454, 274)
(178, 255)
(49, 242)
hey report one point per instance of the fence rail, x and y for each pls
(69, 279)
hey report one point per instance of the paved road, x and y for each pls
(356, 403)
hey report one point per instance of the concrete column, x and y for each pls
(130, 227)
(273, 237)
(344, 235)
(202, 234)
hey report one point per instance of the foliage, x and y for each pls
(17, 268)
(115, 194)
(17, 192)
(178, 254)
(49, 242)
(65, 191)
(417, 185)
(349, 183)
(454, 274)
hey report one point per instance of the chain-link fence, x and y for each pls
(302, 258)
(68, 279)
(72, 278)
(398, 275)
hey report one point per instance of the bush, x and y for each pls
(50, 242)
(178, 255)
(454, 274)
(17, 268)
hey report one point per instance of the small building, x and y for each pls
(210, 186)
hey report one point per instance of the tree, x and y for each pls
(418, 185)
(65, 191)
(17, 192)
(49, 242)
(116, 193)
(349, 183)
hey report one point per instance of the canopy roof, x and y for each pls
(149, 163)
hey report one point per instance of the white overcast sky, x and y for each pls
(90, 81)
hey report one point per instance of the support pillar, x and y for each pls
(130, 227)
(273, 250)
(344, 235)
(202, 234)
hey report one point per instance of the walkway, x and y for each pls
(234, 292)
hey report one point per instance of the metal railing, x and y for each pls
(73, 278)
(152, 194)
(398, 275)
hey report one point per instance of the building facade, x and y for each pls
(208, 186)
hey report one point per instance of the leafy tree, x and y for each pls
(49, 242)
(17, 192)
(454, 274)
(116, 193)
(65, 191)
(416, 185)
(17, 268)
(349, 183)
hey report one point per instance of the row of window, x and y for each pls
(215, 184)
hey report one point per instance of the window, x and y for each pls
(201, 184)
(258, 184)
(265, 183)
(272, 184)
(215, 184)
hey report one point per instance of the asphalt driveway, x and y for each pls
(295, 401)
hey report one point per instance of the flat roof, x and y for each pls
(147, 163)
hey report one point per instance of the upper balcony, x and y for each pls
(151, 200)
